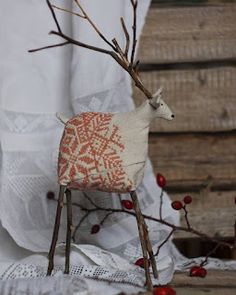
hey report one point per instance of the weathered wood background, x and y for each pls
(189, 48)
(216, 282)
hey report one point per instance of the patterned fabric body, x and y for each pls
(90, 154)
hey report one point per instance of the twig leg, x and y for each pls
(68, 233)
(55, 231)
(142, 236)
(150, 251)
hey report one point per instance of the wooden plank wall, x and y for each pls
(189, 48)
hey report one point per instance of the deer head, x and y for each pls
(161, 109)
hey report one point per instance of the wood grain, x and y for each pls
(189, 34)
(210, 212)
(214, 278)
(201, 99)
(216, 282)
(195, 160)
(186, 3)
(205, 291)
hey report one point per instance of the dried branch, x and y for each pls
(134, 27)
(79, 224)
(68, 11)
(204, 262)
(161, 204)
(235, 234)
(117, 54)
(172, 226)
(136, 66)
(49, 46)
(114, 41)
(164, 242)
(90, 200)
(84, 45)
(105, 217)
(54, 16)
(143, 236)
(126, 51)
(186, 216)
(94, 26)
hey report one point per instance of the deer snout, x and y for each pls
(170, 117)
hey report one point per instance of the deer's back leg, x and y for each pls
(142, 236)
(56, 230)
(68, 232)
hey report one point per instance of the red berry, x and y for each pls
(127, 204)
(163, 291)
(188, 200)
(161, 181)
(177, 205)
(140, 262)
(198, 271)
(95, 229)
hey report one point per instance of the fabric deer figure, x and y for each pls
(106, 152)
(103, 151)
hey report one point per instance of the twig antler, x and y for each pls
(121, 56)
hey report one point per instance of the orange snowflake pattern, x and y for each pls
(90, 155)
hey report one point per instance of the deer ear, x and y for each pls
(158, 93)
(155, 100)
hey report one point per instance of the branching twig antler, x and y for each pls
(121, 56)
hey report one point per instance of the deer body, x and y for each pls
(108, 152)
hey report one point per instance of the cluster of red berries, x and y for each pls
(178, 205)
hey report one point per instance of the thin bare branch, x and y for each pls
(105, 217)
(90, 200)
(120, 61)
(94, 26)
(165, 241)
(79, 224)
(161, 204)
(235, 234)
(134, 27)
(49, 46)
(54, 16)
(126, 51)
(173, 226)
(186, 217)
(121, 53)
(68, 11)
(136, 67)
(204, 262)
(117, 54)
(81, 44)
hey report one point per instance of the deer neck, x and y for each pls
(146, 112)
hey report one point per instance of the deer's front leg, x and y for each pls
(56, 230)
(141, 229)
(68, 232)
